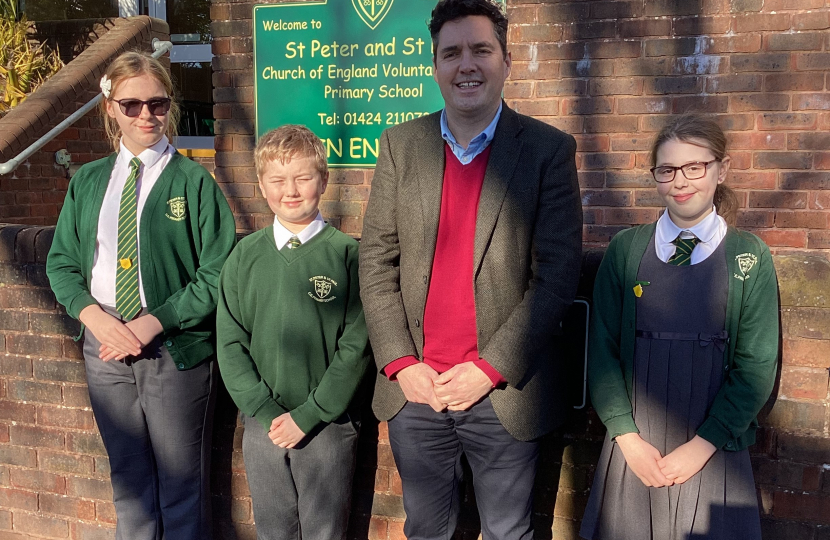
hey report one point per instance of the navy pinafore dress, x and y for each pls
(678, 370)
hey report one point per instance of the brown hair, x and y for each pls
(135, 64)
(451, 10)
(702, 131)
(287, 141)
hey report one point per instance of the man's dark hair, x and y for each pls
(451, 10)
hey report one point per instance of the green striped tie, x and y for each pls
(294, 242)
(683, 254)
(127, 299)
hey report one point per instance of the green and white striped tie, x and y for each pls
(127, 299)
(683, 254)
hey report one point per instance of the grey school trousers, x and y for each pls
(303, 492)
(156, 425)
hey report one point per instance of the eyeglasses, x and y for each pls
(692, 171)
(132, 107)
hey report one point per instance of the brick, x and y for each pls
(25, 297)
(612, 124)
(802, 448)
(701, 25)
(18, 456)
(59, 370)
(562, 13)
(801, 220)
(13, 498)
(788, 238)
(85, 443)
(643, 105)
(23, 390)
(808, 141)
(17, 412)
(614, 49)
(59, 462)
(756, 22)
(587, 106)
(783, 160)
(735, 122)
(616, 10)
(14, 320)
(605, 86)
(629, 216)
(658, 8)
(641, 28)
(760, 62)
(54, 323)
(678, 46)
(41, 525)
(539, 107)
(702, 104)
(89, 488)
(608, 161)
(67, 506)
(818, 239)
(804, 383)
(805, 180)
(759, 102)
(756, 219)
(813, 61)
(734, 83)
(778, 199)
(606, 198)
(800, 506)
(788, 121)
(785, 530)
(592, 143)
(799, 82)
(561, 88)
(644, 67)
(747, 43)
(591, 179)
(39, 481)
(587, 30)
(673, 85)
(794, 42)
(802, 102)
(12, 274)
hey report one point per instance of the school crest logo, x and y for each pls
(323, 287)
(746, 261)
(176, 209)
(372, 12)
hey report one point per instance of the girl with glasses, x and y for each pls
(136, 256)
(683, 355)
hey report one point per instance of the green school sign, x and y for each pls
(347, 69)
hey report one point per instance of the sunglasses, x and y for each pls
(132, 107)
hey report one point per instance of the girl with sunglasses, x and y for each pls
(136, 256)
(683, 355)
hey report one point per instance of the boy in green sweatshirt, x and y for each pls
(293, 348)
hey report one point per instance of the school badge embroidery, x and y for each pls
(372, 12)
(177, 209)
(322, 288)
(745, 263)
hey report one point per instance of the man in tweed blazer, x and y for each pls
(470, 257)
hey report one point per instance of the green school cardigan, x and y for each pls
(187, 231)
(750, 359)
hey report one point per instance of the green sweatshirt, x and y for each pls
(291, 331)
(182, 250)
(749, 363)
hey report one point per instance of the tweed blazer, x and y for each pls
(526, 264)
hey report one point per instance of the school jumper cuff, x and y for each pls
(392, 369)
(267, 412)
(79, 303)
(306, 417)
(167, 316)
(620, 425)
(491, 372)
(717, 434)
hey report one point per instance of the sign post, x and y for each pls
(347, 69)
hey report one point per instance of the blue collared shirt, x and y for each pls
(476, 146)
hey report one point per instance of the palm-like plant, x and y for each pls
(24, 65)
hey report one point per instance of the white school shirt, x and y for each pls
(283, 235)
(105, 262)
(710, 231)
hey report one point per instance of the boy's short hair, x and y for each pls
(286, 142)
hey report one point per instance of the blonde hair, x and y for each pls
(702, 131)
(287, 141)
(135, 64)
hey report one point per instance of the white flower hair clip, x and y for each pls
(106, 86)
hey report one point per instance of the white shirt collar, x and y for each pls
(705, 231)
(283, 235)
(148, 156)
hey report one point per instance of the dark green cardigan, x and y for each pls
(750, 360)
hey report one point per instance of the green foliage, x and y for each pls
(24, 65)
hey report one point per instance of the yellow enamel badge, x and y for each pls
(638, 288)
(126, 263)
